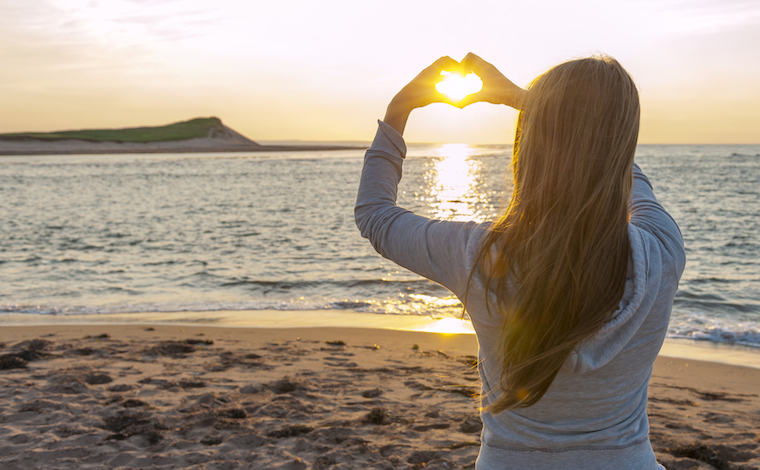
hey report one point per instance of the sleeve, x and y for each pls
(649, 215)
(433, 249)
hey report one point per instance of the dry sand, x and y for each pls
(139, 396)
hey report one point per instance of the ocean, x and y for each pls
(101, 234)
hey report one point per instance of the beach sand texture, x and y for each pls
(140, 396)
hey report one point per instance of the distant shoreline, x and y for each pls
(199, 135)
(127, 150)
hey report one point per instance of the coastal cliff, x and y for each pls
(195, 135)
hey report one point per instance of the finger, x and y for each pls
(471, 56)
(474, 63)
(433, 71)
(428, 94)
(476, 60)
(444, 63)
(473, 98)
(445, 100)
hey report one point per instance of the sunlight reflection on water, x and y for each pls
(448, 326)
(453, 178)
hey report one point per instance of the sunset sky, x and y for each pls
(308, 70)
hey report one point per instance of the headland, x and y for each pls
(197, 135)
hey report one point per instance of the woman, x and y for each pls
(570, 289)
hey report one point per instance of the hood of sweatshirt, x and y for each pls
(642, 281)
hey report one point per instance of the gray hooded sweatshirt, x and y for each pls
(594, 414)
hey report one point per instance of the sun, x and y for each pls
(456, 86)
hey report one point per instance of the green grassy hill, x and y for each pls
(199, 127)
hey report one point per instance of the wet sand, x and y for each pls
(174, 396)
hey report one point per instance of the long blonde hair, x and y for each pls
(556, 259)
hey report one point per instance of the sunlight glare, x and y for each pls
(453, 179)
(449, 326)
(456, 86)
(437, 302)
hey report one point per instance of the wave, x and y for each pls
(321, 283)
(718, 329)
(726, 329)
(714, 302)
(403, 304)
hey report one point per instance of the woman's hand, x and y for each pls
(419, 92)
(497, 88)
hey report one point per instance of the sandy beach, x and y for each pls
(157, 396)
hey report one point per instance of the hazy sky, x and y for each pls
(325, 70)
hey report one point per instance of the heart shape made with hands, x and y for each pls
(456, 85)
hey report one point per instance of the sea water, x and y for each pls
(102, 234)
